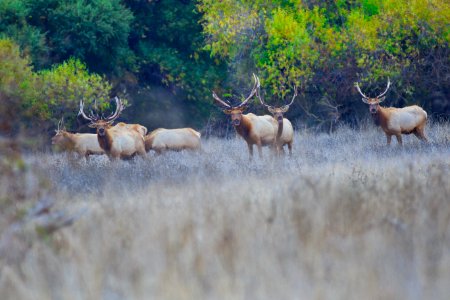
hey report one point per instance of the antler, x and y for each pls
(60, 122)
(284, 107)
(293, 97)
(253, 92)
(220, 101)
(119, 108)
(359, 90)
(260, 99)
(387, 88)
(90, 118)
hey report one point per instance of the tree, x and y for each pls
(325, 46)
(95, 32)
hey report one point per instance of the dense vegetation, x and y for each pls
(166, 56)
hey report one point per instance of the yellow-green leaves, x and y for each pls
(48, 94)
(299, 39)
(227, 24)
(68, 83)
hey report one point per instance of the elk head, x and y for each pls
(277, 112)
(236, 111)
(374, 103)
(100, 123)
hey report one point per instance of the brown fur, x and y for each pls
(244, 129)
(279, 133)
(107, 140)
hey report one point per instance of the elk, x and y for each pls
(285, 131)
(162, 139)
(254, 129)
(84, 144)
(137, 127)
(396, 121)
(120, 141)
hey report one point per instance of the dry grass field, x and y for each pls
(344, 218)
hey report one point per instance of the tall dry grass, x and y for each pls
(345, 218)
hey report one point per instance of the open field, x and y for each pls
(345, 218)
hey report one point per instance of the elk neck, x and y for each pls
(280, 129)
(381, 117)
(68, 141)
(105, 141)
(244, 127)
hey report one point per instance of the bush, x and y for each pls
(62, 88)
(17, 86)
(37, 100)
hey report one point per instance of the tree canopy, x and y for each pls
(165, 57)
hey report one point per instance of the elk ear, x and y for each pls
(381, 99)
(365, 100)
(271, 109)
(284, 108)
(92, 125)
(227, 111)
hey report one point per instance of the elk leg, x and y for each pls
(259, 148)
(142, 152)
(250, 150)
(416, 133)
(279, 149)
(389, 138)
(290, 148)
(114, 156)
(399, 139)
(420, 134)
(273, 148)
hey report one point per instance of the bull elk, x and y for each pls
(120, 141)
(285, 131)
(396, 121)
(162, 139)
(84, 144)
(256, 130)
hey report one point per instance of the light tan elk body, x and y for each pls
(120, 141)
(162, 139)
(256, 130)
(396, 121)
(284, 129)
(137, 127)
(84, 144)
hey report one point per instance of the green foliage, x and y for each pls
(17, 83)
(44, 97)
(324, 46)
(13, 24)
(95, 32)
(63, 86)
(188, 48)
(167, 39)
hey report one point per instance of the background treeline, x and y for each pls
(164, 57)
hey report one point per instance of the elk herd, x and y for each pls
(123, 141)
